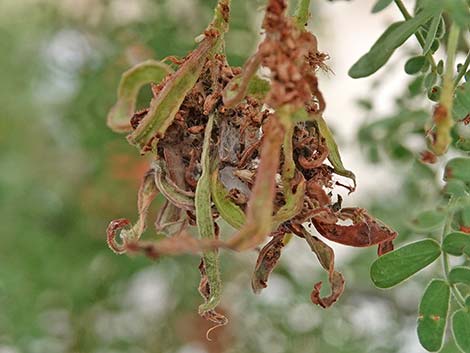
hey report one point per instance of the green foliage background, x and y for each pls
(64, 175)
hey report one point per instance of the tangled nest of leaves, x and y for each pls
(255, 152)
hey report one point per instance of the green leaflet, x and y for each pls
(205, 225)
(132, 81)
(459, 274)
(179, 198)
(428, 221)
(432, 32)
(432, 319)
(380, 5)
(333, 155)
(457, 244)
(390, 40)
(461, 329)
(459, 169)
(461, 106)
(415, 64)
(400, 264)
(228, 210)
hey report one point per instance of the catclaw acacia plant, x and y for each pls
(227, 143)
(434, 22)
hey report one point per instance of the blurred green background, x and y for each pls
(65, 175)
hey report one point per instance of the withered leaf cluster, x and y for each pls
(254, 151)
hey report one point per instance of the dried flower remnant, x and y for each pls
(253, 151)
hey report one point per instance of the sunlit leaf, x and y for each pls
(400, 264)
(432, 319)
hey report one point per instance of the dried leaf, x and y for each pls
(237, 89)
(260, 206)
(166, 104)
(170, 220)
(326, 257)
(365, 230)
(267, 261)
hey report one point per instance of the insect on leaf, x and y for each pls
(432, 319)
(400, 264)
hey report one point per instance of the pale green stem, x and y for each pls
(302, 13)
(418, 34)
(448, 86)
(445, 260)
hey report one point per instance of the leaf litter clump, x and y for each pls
(254, 151)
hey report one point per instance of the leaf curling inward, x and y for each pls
(150, 71)
(267, 260)
(210, 286)
(326, 257)
(364, 231)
